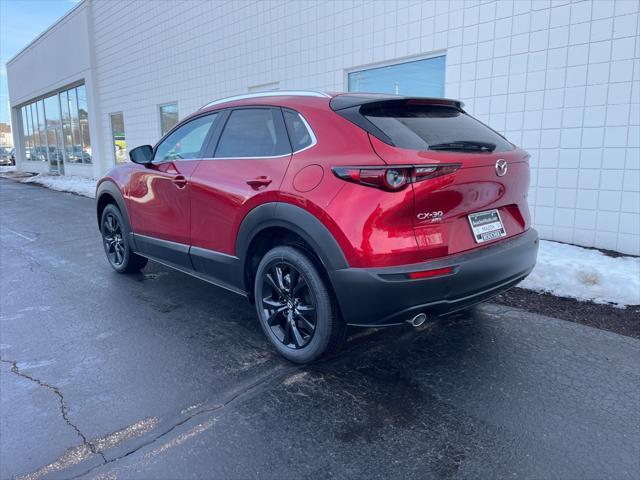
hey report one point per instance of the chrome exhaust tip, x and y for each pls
(418, 320)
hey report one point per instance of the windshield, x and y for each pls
(4, 150)
(433, 127)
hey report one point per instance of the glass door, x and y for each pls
(55, 145)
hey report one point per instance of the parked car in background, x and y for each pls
(39, 154)
(327, 210)
(7, 156)
(78, 155)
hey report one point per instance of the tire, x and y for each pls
(115, 239)
(291, 297)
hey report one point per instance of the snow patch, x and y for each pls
(66, 183)
(575, 272)
(7, 168)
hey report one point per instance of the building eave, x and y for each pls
(61, 20)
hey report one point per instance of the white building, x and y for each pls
(6, 137)
(559, 78)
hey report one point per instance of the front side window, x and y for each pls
(168, 117)
(118, 138)
(253, 132)
(299, 134)
(185, 142)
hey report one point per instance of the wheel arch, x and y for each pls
(277, 218)
(107, 193)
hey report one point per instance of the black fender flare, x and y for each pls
(110, 188)
(299, 221)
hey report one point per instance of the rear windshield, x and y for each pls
(433, 127)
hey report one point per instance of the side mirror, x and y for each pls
(142, 155)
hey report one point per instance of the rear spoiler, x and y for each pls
(349, 100)
(348, 106)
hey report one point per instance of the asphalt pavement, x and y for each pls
(159, 375)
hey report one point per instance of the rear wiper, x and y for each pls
(465, 146)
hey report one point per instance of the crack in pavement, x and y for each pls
(73, 456)
(264, 380)
(63, 406)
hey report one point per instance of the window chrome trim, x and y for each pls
(250, 158)
(314, 140)
(275, 93)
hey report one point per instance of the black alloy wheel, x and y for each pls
(115, 235)
(296, 308)
(289, 305)
(113, 239)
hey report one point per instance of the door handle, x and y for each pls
(180, 181)
(259, 182)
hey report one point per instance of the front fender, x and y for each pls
(108, 187)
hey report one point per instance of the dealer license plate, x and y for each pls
(486, 226)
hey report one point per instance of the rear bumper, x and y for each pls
(386, 296)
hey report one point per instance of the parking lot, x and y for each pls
(159, 375)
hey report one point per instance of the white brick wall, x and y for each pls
(560, 78)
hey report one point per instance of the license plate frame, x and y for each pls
(486, 230)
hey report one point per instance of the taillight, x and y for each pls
(393, 179)
(425, 172)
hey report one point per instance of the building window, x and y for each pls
(117, 134)
(168, 117)
(26, 140)
(265, 87)
(56, 129)
(83, 117)
(420, 78)
(40, 142)
(53, 135)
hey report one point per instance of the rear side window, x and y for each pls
(253, 132)
(433, 127)
(299, 134)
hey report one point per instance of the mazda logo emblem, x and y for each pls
(501, 167)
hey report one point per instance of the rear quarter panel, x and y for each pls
(345, 211)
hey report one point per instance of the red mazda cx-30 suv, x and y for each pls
(327, 210)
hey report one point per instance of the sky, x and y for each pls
(20, 22)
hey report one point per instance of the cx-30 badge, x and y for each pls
(501, 167)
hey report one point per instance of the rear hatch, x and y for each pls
(476, 193)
